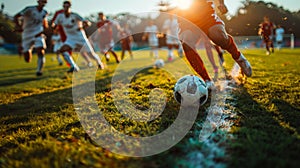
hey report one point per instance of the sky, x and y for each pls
(87, 7)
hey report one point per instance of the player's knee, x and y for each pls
(219, 36)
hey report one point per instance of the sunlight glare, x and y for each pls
(183, 4)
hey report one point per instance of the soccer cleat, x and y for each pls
(268, 53)
(209, 84)
(39, 73)
(73, 69)
(244, 65)
(101, 66)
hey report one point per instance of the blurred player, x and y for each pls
(57, 43)
(33, 25)
(126, 40)
(202, 14)
(105, 36)
(151, 33)
(171, 29)
(279, 36)
(73, 25)
(63, 36)
(266, 31)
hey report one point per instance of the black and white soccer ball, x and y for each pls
(190, 90)
(159, 63)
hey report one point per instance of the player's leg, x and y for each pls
(188, 45)
(153, 43)
(40, 45)
(41, 61)
(27, 45)
(68, 58)
(122, 53)
(110, 46)
(267, 42)
(91, 53)
(220, 37)
(170, 48)
(56, 51)
(272, 44)
(220, 54)
(114, 54)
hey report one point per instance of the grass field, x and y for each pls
(39, 126)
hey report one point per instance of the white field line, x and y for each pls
(214, 135)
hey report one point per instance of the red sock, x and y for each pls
(232, 48)
(196, 62)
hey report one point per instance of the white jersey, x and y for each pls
(171, 26)
(73, 27)
(32, 21)
(279, 34)
(152, 35)
(72, 24)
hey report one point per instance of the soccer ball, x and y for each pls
(190, 90)
(159, 63)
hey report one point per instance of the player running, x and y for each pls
(105, 36)
(266, 31)
(73, 25)
(151, 33)
(171, 28)
(202, 14)
(32, 27)
(126, 40)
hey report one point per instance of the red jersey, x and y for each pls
(201, 13)
(105, 31)
(267, 28)
(59, 27)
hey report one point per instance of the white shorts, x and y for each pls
(78, 43)
(153, 42)
(29, 43)
(172, 40)
(56, 47)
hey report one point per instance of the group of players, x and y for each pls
(72, 24)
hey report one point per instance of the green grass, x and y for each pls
(40, 128)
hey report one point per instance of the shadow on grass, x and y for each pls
(263, 135)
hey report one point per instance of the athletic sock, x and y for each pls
(196, 62)
(40, 62)
(69, 59)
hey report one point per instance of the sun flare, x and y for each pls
(183, 4)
